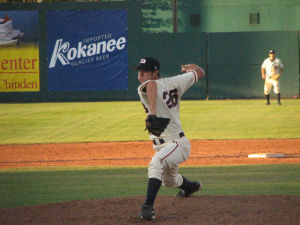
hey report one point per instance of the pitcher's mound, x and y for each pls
(244, 210)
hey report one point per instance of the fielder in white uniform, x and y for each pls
(161, 97)
(271, 70)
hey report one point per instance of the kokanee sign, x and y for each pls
(94, 57)
(64, 53)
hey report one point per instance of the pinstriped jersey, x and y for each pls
(169, 93)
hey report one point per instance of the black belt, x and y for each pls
(162, 141)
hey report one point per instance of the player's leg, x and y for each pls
(171, 178)
(188, 188)
(267, 89)
(154, 182)
(171, 160)
(168, 156)
(277, 90)
(155, 170)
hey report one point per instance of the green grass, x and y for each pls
(241, 119)
(29, 186)
(124, 121)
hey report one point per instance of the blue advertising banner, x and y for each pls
(87, 50)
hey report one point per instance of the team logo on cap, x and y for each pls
(143, 61)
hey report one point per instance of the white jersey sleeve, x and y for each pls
(185, 81)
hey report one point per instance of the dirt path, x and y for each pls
(204, 152)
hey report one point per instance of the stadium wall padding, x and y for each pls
(231, 59)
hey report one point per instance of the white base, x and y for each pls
(266, 155)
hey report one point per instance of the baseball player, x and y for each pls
(271, 70)
(161, 100)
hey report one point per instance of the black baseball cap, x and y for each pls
(272, 51)
(148, 64)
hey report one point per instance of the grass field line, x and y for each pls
(30, 186)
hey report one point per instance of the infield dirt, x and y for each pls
(169, 210)
(204, 152)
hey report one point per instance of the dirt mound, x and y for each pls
(169, 210)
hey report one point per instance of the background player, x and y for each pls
(161, 98)
(271, 70)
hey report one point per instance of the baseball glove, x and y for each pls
(276, 76)
(156, 125)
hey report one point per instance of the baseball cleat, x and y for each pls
(279, 103)
(197, 186)
(147, 212)
(268, 103)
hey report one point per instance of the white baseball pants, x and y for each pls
(268, 86)
(164, 163)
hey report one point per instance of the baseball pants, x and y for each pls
(268, 86)
(164, 163)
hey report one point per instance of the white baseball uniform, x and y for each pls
(271, 68)
(172, 147)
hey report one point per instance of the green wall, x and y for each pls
(233, 15)
(174, 50)
(231, 59)
(235, 60)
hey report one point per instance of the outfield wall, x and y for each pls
(231, 59)
(234, 61)
(233, 15)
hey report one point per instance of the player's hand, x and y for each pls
(263, 76)
(200, 72)
(187, 67)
